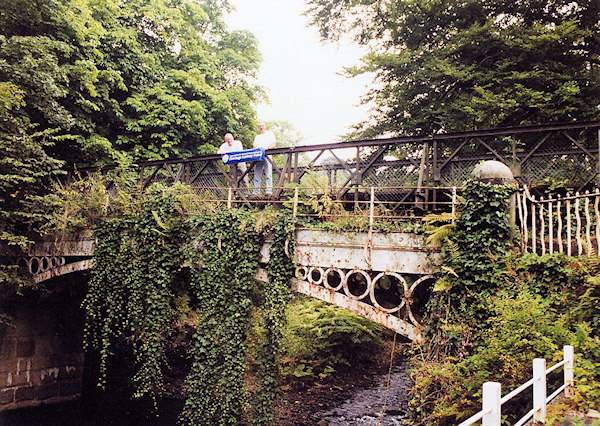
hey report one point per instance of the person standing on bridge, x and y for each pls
(266, 140)
(233, 145)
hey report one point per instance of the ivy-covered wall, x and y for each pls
(160, 263)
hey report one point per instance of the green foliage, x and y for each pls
(221, 280)
(91, 82)
(456, 65)
(82, 203)
(521, 328)
(25, 169)
(320, 337)
(135, 79)
(131, 292)
(494, 311)
(276, 297)
(474, 257)
(159, 264)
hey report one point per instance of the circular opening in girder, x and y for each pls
(388, 291)
(301, 272)
(315, 275)
(34, 265)
(45, 263)
(357, 284)
(420, 292)
(22, 264)
(333, 279)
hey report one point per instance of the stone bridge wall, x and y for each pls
(41, 351)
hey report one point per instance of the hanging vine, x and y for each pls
(276, 295)
(132, 301)
(130, 293)
(222, 277)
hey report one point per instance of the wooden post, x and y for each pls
(492, 393)
(539, 390)
(525, 225)
(542, 226)
(568, 227)
(588, 225)
(569, 357)
(550, 228)
(578, 228)
(559, 231)
(229, 197)
(533, 231)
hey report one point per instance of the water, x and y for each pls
(365, 406)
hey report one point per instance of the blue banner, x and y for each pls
(256, 154)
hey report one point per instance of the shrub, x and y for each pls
(320, 338)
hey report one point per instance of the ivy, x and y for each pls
(222, 277)
(474, 258)
(130, 293)
(276, 296)
(146, 261)
(493, 310)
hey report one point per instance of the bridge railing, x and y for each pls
(569, 152)
(390, 203)
(491, 412)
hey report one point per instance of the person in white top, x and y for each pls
(233, 145)
(265, 139)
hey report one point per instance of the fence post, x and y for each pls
(229, 197)
(539, 389)
(569, 357)
(295, 210)
(454, 204)
(492, 393)
(372, 206)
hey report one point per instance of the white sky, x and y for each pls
(299, 72)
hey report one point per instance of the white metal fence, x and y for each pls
(569, 225)
(491, 412)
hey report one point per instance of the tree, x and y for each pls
(91, 82)
(285, 132)
(25, 169)
(129, 80)
(450, 65)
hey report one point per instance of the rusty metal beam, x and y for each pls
(80, 265)
(364, 310)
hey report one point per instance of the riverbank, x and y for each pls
(352, 392)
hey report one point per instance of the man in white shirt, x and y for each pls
(232, 145)
(265, 139)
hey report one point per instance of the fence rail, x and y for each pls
(537, 153)
(491, 412)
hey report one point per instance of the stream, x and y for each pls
(362, 408)
(366, 405)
